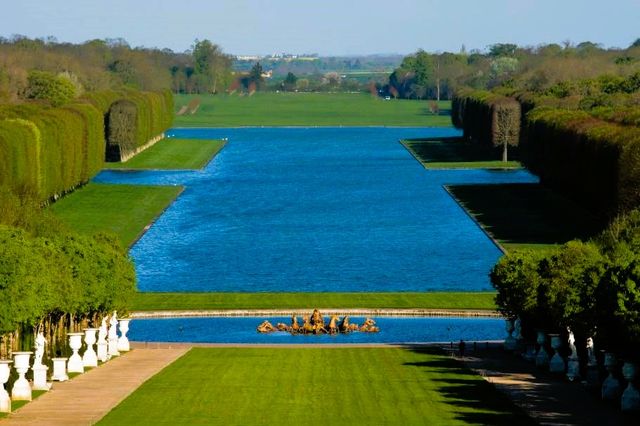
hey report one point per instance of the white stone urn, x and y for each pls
(630, 396)
(75, 360)
(103, 346)
(89, 358)
(123, 340)
(556, 365)
(21, 390)
(542, 357)
(611, 387)
(509, 341)
(5, 400)
(59, 370)
(112, 349)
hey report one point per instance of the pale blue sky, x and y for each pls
(328, 27)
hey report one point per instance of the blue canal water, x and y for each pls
(243, 330)
(314, 209)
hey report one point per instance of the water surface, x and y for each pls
(314, 209)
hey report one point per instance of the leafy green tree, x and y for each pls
(290, 81)
(47, 86)
(255, 75)
(211, 66)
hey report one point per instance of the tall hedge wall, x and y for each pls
(597, 163)
(153, 115)
(49, 151)
(487, 118)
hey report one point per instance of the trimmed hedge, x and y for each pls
(487, 118)
(50, 151)
(592, 161)
(153, 115)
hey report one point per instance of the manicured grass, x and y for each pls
(196, 301)
(308, 109)
(122, 209)
(173, 154)
(456, 154)
(323, 386)
(525, 215)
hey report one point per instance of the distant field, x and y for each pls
(323, 386)
(197, 301)
(122, 209)
(456, 154)
(173, 154)
(308, 109)
(525, 215)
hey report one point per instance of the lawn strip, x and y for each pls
(523, 215)
(173, 154)
(126, 210)
(309, 109)
(322, 385)
(203, 301)
(454, 153)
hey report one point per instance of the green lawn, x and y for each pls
(323, 386)
(122, 209)
(173, 154)
(525, 215)
(454, 153)
(195, 301)
(308, 109)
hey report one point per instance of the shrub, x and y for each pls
(47, 86)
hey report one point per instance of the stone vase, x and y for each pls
(542, 357)
(21, 390)
(40, 377)
(556, 365)
(5, 400)
(123, 340)
(75, 360)
(59, 370)
(611, 387)
(112, 339)
(509, 341)
(630, 397)
(89, 358)
(103, 346)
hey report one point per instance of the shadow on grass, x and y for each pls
(525, 213)
(477, 400)
(436, 150)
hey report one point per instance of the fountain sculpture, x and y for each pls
(315, 324)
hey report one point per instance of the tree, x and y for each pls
(211, 65)
(255, 75)
(635, 43)
(47, 86)
(290, 81)
(503, 49)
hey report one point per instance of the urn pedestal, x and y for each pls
(59, 370)
(40, 378)
(556, 365)
(75, 360)
(89, 358)
(509, 341)
(542, 357)
(630, 397)
(112, 339)
(21, 390)
(123, 340)
(611, 387)
(5, 400)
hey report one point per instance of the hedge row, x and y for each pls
(49, 151)
(487, 118)
(597, 163)
(69, 142)
(150, 114)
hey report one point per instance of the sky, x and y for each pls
(327, 27)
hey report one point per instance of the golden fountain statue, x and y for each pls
(314, 324)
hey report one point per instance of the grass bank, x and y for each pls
(525, 215)
(125, 210)
(308, 109)
(203, 301)
(315, 385)
(454, 153)
(173, 154)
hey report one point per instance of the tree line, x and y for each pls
(425, 75)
